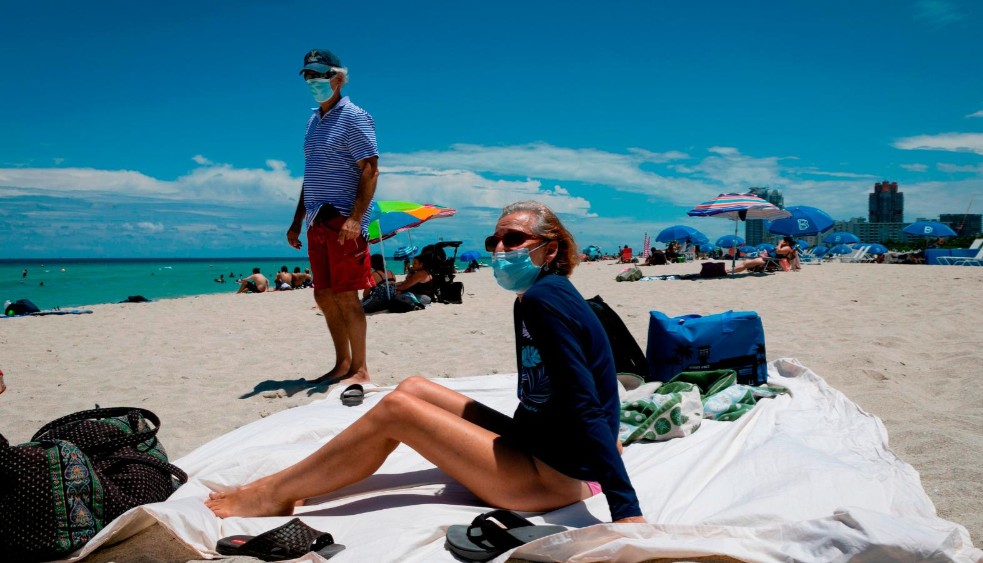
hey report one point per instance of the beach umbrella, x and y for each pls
(841, 238)
(803, 243)
(802, 221)
(841, 249)
(392, 217)
(820, 250)
(469, 255)
(737, 207)
(707, 247)
(766, 246)
(681, 233)
(404, 252)
(930, 229)
(747, 249)
(730, 241)
(877, 249)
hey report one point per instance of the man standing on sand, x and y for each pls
(340, 173)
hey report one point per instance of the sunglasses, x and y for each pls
(309, 74)
(509, 240)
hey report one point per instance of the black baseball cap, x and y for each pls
(320, 60)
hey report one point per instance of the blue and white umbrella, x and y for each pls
(929, 229)
(820, 250)
(469, 255)
(708, 247)
(404, 252)
(766, 246)
(730, 241)
(877, 249)
(841, 238)
(681, 233)
(803, 221)
(803, 243)
(841, 249)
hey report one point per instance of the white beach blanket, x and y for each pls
(806, 476)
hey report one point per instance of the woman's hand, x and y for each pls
(632, 520)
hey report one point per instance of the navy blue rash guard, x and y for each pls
(568, 390)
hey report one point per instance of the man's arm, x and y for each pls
(293, 233)
(366, 189)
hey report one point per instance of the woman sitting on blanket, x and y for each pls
(560, 447)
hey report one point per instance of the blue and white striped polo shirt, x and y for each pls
(333, 145)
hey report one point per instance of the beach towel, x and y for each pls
(804, 476)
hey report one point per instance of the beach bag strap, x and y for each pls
(98, 445)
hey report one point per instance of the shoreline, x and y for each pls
(900, 341)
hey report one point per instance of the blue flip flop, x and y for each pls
(493, 533)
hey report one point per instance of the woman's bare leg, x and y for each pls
(433, 423)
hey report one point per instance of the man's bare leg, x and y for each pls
(327, 301)
(353, 318)
(476, 457)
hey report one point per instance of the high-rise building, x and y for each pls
(963, 223)
(885, 204)
(755, 230)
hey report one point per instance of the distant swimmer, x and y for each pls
(24, 273)
(220, 278)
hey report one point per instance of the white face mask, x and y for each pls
(321, 89)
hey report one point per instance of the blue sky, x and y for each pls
(131, 129)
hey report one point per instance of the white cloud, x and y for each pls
(954, 168)
(201, 160)
(915, 167)
(938, 13)
(955, 142)
(976, 114)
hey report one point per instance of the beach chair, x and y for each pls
(964, 260)
(958, 260)
(856, 254)
(863, 257)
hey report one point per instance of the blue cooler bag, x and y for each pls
(731, 340)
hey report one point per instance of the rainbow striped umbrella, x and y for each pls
(738, 207)
(392, 217)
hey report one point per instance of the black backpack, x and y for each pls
(21, 307)
(628, 355)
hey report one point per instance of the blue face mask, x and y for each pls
(320, 89)
(514, 270)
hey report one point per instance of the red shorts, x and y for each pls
(335, 266)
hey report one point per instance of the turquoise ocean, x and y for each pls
(74, 283)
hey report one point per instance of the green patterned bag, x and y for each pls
(76, 475)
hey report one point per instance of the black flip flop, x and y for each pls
(493, 533)
(352, 395)
(289, 541)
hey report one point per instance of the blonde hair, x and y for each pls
(549, 227)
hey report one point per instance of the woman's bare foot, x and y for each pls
(358, 376)
(249, 500)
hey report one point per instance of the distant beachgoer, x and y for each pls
(283, 280)
(256, 283)
(220, 278)
(407, 266)
(24, 273)
(341, 169)
(300, 279)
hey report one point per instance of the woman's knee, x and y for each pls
(414, 385)
(395, 409)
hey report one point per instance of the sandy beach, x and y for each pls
(901, 341)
